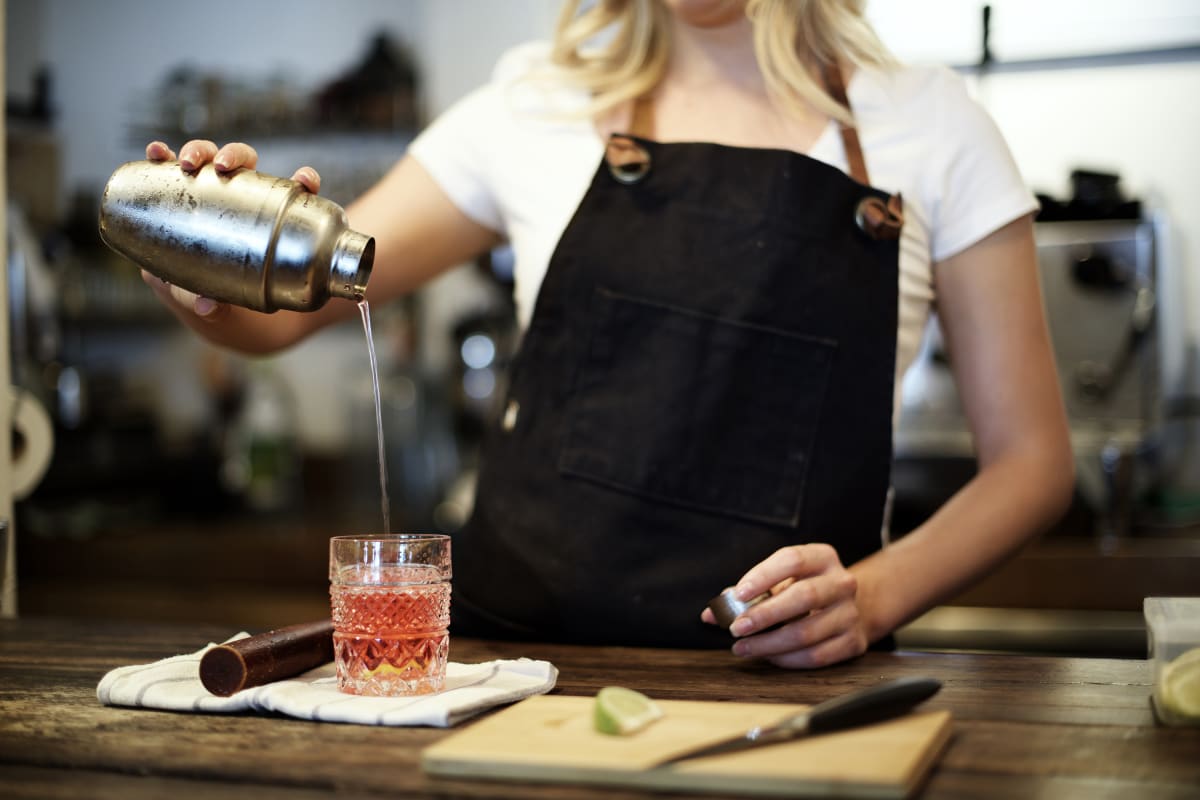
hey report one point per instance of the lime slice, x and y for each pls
(621, 711)
(1180, 682)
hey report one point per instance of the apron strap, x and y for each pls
(641, 123)
(877, 218)
(836, 87)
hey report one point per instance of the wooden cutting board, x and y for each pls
(550, 738)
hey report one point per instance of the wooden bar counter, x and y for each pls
(1023, 726)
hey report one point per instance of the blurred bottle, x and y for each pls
(261, 462)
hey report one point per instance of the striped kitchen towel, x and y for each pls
(173, 684)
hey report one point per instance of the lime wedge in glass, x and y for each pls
(620, 711)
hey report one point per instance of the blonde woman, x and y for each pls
(730, 220)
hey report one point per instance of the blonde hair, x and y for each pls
(618, 49)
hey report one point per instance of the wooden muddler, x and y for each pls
(266, 657)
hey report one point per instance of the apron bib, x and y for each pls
(707, 377)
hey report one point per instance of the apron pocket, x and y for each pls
(694, 410)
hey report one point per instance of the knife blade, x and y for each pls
(875, 703)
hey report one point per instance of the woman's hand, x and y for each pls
(236, 155)
(814, 603)
(194, 155)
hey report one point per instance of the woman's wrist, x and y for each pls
(876, 618)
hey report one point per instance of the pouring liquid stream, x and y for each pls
(385, 504)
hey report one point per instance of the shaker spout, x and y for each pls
(353, 257)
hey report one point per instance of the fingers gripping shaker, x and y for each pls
(242, 237)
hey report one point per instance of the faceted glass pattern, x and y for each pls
(391, 641)
(390, 598)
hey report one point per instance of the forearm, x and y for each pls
(990, 310)
(1010, 500)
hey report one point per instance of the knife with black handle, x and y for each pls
(884, 701)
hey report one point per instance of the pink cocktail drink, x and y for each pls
(391, 622)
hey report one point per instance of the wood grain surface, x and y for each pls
(551, 739)
(1023, 726)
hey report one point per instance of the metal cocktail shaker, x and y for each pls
(241, 237)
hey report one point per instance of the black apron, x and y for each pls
(707, 377)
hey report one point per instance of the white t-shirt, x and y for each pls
(510, 156)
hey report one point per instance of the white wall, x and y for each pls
(950, 31)
(21, 53)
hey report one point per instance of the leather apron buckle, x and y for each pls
(880, 220)
(628, 161)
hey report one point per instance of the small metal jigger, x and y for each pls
(726, 607)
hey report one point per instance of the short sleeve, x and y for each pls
(468, 150)
(978, 186)
(453, 151)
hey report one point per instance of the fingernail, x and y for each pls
(223, 161)
(741, 626)
(204, 306)
(744, 592)
(741, 649)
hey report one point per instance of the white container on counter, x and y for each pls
(1173, 628)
